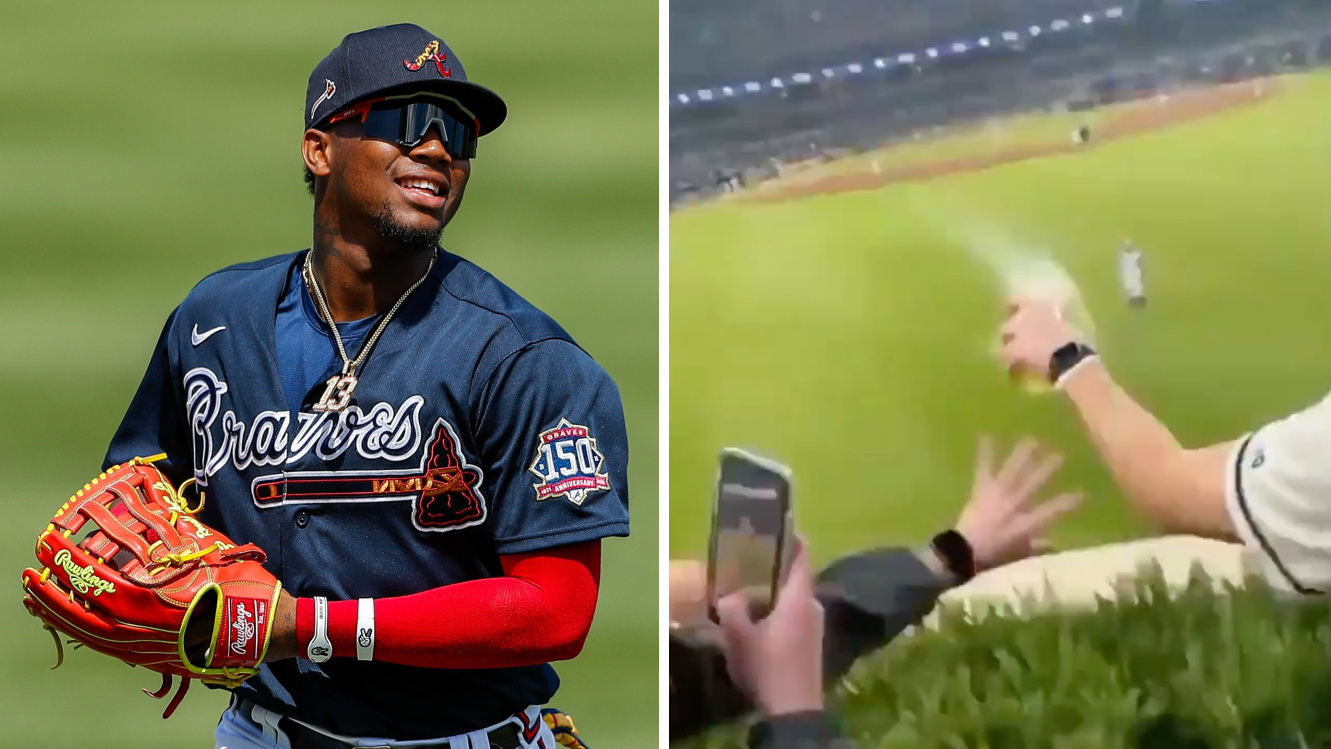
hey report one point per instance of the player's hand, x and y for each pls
(199, 636)
(1034, 330)
(1002, 521)
(778, 661)
(282, 644)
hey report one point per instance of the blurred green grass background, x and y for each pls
(146, 144)
(851, 335)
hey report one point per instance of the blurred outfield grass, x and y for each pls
(850, 335)
(147, 144)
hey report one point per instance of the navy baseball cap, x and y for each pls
(391, 61)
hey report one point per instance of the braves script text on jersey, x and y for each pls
(479, 429)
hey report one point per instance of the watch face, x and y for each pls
(1060, 358)
(1066, 358)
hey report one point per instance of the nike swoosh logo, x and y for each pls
(195, 337)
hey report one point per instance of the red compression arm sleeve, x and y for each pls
(539, 611)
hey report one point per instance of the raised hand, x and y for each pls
(1002, 520)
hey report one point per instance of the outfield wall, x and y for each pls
(1075, 579)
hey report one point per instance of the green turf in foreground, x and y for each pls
(152, 143)
(849, 335)
(1153, 669)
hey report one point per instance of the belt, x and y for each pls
(303, 737)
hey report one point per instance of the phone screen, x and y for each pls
(750, 530)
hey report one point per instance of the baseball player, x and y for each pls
(428, 461)
(1268, 489)
(1130, 273)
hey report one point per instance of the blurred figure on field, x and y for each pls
(820, 626)
(1130, 273)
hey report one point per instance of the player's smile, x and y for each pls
(424, 188)
(426, 180)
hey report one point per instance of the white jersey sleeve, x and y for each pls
(1279, 498)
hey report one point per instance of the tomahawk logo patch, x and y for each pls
(568, 464)
(444, 491)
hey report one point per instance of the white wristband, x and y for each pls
(365, 629)
(320, 648)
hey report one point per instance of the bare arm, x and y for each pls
(1182, 490)
(1179, 489)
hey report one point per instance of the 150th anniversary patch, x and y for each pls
(568, 464)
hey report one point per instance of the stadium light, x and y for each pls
(1011, 37)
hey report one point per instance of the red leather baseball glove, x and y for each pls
(125, 569)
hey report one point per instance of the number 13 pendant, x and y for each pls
(337, 394)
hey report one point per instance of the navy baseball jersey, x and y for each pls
(479, 428)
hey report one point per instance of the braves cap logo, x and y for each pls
(431, 53)
(568, 464)
(330, 88)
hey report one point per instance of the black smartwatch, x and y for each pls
(1067, 357)
(956, 553)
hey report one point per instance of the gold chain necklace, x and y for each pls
(338, 389)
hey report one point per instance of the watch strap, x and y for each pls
(957, 554)
(1067, 358)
